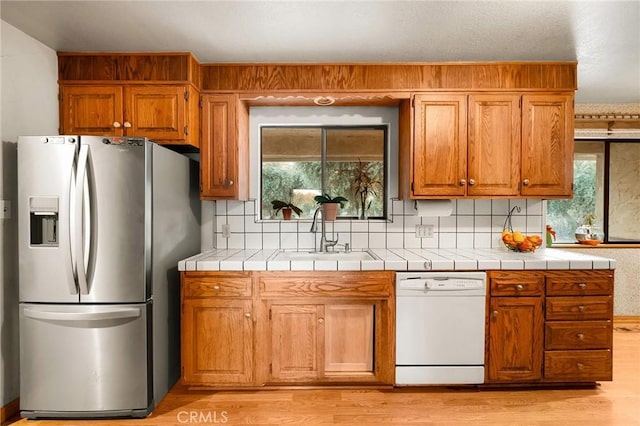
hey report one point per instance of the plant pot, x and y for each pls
(330, 211)
(286, 213)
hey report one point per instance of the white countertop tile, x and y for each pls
(443, 259)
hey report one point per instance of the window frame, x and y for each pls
(606, 181)
(385, 127)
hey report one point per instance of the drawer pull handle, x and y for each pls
(580, 366)
(519, 287)
(580, 336)
(581, 308)
(247, 314)
(582, 286)
(216, 288)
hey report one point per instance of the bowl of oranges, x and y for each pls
(517, 241)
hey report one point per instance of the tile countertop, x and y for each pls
(399, 260)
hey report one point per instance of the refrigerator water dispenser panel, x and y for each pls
(43, 222)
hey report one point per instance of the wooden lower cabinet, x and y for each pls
(321, 343)
(549, 326)
(288, 328)
(515, 339)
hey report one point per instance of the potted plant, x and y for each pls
(589, 233)
(364, 185)
(330, 205)
(286, 208)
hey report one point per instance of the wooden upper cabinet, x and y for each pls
(224, 155)
(157, 112)
(547, 145)
(163, 113)
(440, 145)
(91, 110)
(493, 145)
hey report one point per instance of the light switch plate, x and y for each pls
(424, 231)
(5, 209)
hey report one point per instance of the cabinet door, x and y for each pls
(348, 338)
(91, 110)
(515, 339)
(156, 112)
(217, 341)
(547, 145)
(296, 342)
(493, 151)
(440, 145)
(219, 154)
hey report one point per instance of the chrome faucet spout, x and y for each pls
(324, 242)
(314, 223)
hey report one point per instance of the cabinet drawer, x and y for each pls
(578, 335)
(328, 284)
(580, 283)
(577, 366)
(579, 308)
(516, 283)
(222, 284)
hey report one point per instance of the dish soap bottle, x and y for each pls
(551, 236)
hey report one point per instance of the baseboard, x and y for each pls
(10, 410)
(626, 319)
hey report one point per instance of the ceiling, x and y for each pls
(603, 36)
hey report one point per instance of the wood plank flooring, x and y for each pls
(611, 403)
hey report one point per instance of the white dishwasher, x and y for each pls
(440, 327)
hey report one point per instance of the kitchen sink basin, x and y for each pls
(330, 255)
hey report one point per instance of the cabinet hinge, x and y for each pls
(186, 95)
(270, 368)
(186, 130)
(59, 96)
(201, 102)
(269, 313)
(411, 186)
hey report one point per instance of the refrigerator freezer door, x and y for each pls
(84, 360)
(45, 187)
(113, 240)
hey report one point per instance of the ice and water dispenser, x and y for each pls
(43, 212)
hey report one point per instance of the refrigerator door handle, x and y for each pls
(116, 313)
(71, 264)
(81, 231)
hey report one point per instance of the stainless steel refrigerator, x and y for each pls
(103, 222)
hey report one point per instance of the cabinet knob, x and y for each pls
(116, 124)
(247, 314)
(582, 286)
(320, 320)
(230, 183)
(525, 182)
(580, 366)
(581, 308)
(472, 182)
(127, 124)
(462, 182)
(216, 288)
(580, 336)
(519, 287)
(494, 313)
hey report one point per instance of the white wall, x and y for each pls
(29, 91)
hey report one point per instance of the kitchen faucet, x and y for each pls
(324, 242)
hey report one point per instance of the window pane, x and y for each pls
(291, 168)
(355, 170)
(588, 194)
(624, 192)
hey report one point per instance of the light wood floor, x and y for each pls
(612, 403)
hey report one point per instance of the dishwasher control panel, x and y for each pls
(440, 282)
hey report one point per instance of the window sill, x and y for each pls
(608, 246)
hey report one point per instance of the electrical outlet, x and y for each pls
(424, 231)
(226, 230)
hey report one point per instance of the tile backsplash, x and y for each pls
(472, 224)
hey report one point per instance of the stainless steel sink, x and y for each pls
(330, 255)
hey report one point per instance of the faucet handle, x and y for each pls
(347, 248)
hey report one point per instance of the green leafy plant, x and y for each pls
(279, 205)
(326, 198)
